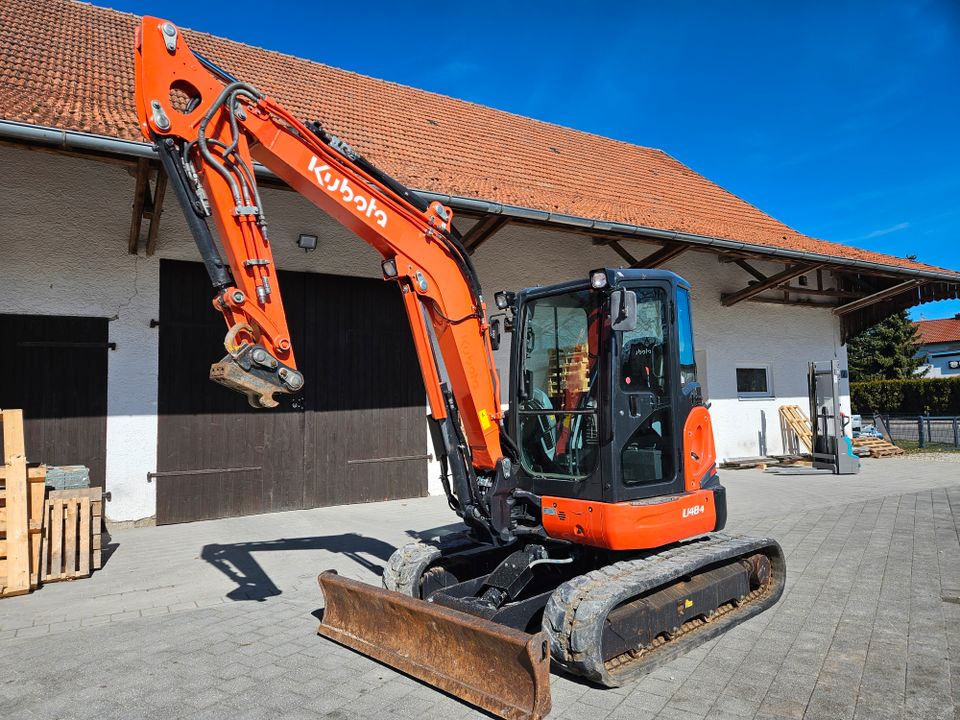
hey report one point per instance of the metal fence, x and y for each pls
(921, 430)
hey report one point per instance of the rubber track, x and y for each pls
(576, 611)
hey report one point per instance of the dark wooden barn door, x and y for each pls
(217, 457)
(55, 369)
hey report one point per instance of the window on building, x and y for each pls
(754, 381)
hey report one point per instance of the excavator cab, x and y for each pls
(604, 390)
(603, 380)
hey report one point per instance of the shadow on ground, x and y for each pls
(236, 560)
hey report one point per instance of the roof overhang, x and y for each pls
(909, 286)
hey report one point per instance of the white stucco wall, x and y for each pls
(939, 357)
(63, 252)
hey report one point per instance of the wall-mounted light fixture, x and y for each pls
(307, 242)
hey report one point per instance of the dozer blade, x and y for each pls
(497, 668)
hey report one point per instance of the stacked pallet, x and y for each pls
(795, 428)
(572, 374)
(21, 511)
(875, 447)
(42, 539)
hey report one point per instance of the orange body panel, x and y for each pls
(699, 450)
(634, 525)
(435, 289)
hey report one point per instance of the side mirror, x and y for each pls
(495, 334)
(623, 310)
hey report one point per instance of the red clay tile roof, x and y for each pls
(69, 65)
(938, 331)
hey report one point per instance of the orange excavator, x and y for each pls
(591, 508)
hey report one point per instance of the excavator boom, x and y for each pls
(209, 129)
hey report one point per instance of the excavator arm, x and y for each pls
(209, 129)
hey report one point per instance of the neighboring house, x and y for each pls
(940, 343)
(106, 329)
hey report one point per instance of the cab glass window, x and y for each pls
(558, 410)
(688, 365)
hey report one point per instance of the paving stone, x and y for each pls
(862, 631)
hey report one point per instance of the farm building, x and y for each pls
(940, 344)
(106, 326)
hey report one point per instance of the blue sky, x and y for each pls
(842, 119)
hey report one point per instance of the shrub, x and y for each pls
(923, 396)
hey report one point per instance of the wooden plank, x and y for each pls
(35, 473)
(792, 419)
(45, 545)
(56, 540)
(70, 538)
(17, 521)
(37, 490)
(83, 566)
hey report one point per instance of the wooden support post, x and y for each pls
(623, 252)
(659, 257)
(748, 292)
(139, 198)
(750, 269)
(159, 190)
(485, 228)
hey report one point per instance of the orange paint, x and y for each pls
(699, 450)
(435, 288)
(632, 525)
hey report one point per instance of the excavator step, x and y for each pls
(491, 666)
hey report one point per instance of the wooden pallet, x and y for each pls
(72, 548)
(21, 511)
(877, 447)
(795, 428)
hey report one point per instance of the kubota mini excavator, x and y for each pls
(591, 508)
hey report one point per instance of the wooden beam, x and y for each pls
(800, 303)
(156, 211)
(659, 257)
(139, 197)
(483, 231)
(829, 292)
(750, 269)
(756, 288)
(878, 296)
(622, 252)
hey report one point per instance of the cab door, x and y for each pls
(646, 387)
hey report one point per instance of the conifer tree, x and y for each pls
(886, 351)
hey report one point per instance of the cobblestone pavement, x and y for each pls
(216, 619)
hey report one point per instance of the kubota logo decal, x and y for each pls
(348, 196)
(695, 510)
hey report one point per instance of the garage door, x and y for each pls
(55, 369)
(356, 433)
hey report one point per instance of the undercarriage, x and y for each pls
(607, 617)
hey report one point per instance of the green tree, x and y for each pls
(886, 351)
